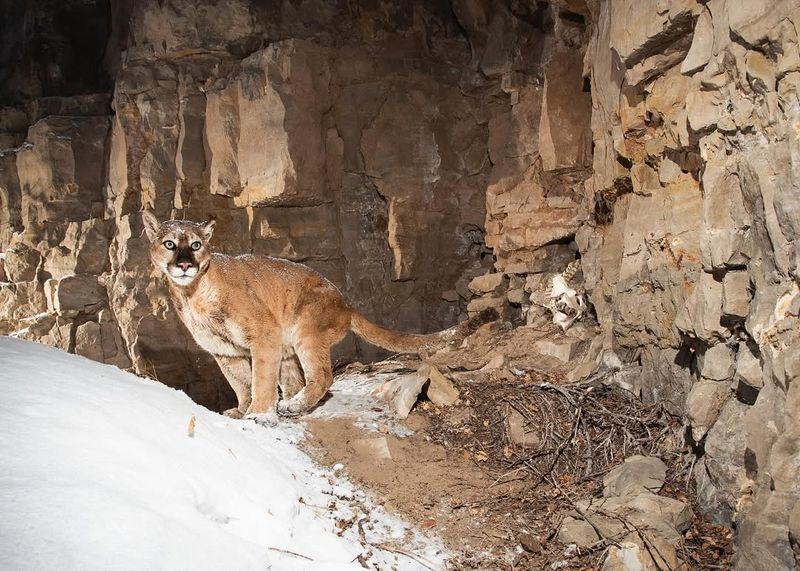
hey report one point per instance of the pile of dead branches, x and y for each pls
(583, 429)
(574, 431)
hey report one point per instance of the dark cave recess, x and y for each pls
(53, 48)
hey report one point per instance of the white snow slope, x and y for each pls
(98, 471)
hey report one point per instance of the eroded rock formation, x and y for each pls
(433, 159)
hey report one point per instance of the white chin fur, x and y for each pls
(180, 278)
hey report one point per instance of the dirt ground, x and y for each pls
(457, 472)
(423, 482)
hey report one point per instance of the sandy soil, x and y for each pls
(437, 489)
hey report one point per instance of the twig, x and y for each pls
(292, 553)
(497, 481)
(421, 560)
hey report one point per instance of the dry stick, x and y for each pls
(497, 481)
(691, 469)
(559, 450)
(362, 535)
(292, 553)
(589, 450)
(421, 560)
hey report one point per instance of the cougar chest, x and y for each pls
(211, 328)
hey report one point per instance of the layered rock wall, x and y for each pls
(434, 159)
(691, 258)
(353, 139)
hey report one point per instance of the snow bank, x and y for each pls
(98, 471)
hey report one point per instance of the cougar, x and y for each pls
(268, 322)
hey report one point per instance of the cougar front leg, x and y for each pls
(239, 376)
(266, 366)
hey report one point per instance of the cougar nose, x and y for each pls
(184, 265)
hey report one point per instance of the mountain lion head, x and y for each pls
(179, 248)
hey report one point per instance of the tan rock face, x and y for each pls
(75, 294)
(439, 159)
(679, 265)
(61, 175)
(264, 127)
(345, 142)
(564, 136)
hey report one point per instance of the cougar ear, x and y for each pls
(208, 229)
(151, 224)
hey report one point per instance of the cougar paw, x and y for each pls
(233, 413)
(263, 418)
(291, 407)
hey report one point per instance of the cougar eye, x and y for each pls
(169, 245)
(196, 246)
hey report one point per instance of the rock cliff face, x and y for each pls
(691, 257)
(433, 159)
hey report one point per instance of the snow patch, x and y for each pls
(100, 470)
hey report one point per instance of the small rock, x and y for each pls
(401, 393)
(636, 474)
(529, 542)
(21, 262)
(736, 294)
(517, 296)
(488, 283)
(534, 282)
(760, 72)
(577, 531)
(668, 170)
(89, 341)
(479, 304)
(674, 512)
(703, 405)
(644, 180)
(665, 517)
(724, 457)
(377, 448)
(717, 363)
(748, 367)
(702, 313)
(451, 295)
(564, 350)
(633, 555)
(702, 108)
(702, 44)
(441, 391)
(628, 378)
(71, 295)
(496, 362)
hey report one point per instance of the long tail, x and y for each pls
(414, 343)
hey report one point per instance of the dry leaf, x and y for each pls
(190, 429)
